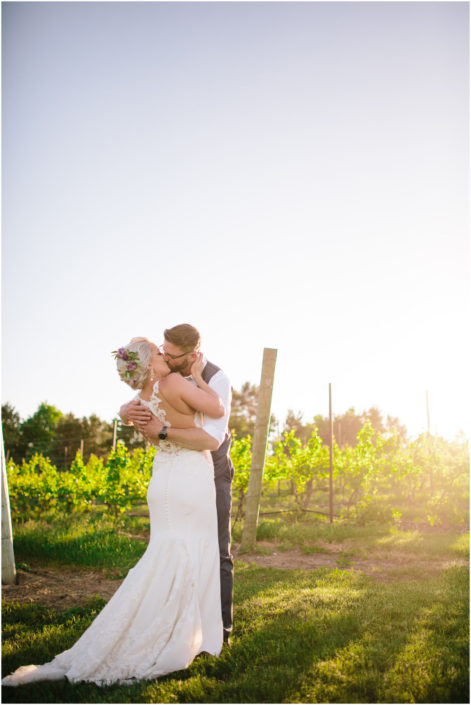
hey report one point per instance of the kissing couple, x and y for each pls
(177, 601)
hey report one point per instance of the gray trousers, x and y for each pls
(223, 482)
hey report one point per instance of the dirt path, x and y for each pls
(65, 588)
(59, 588)
(380, 565)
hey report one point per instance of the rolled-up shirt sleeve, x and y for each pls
(217, 428)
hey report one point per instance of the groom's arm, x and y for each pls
(192, 438)
(136, 414)
(209, 437)
(214, 431)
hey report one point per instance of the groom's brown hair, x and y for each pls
(185, 336)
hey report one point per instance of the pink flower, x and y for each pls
(132, 365)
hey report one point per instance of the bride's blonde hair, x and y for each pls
(132, 362)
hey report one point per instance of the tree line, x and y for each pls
(58, 436)
(382, 479)
(58, 462)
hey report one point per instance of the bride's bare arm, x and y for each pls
(201, 398)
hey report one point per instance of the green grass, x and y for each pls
(317, 636)
(326, 635)
(361, 540)
(309, 550)
(310, 530)
(82, 541)
(95, 541)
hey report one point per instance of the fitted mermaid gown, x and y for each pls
(168, 609)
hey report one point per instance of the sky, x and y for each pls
(290, 175)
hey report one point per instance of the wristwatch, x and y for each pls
(163, 433)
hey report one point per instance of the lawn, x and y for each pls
(330, 634)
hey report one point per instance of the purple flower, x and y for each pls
(122, 353)
(132, 365)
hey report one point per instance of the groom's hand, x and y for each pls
(136, 413)
(151, 429)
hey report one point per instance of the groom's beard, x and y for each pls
(182, 367)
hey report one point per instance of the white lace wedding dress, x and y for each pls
(168, 609)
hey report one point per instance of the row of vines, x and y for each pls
(382, 478)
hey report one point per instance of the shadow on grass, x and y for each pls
(322, 636)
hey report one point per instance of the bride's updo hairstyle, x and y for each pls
(133, 361)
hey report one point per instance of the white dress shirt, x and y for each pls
(217, 428)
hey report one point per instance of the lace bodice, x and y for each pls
(154, 405)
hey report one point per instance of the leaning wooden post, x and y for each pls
(260, 438)
(8, 556)
(331, 459)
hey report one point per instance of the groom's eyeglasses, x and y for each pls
(172, 357)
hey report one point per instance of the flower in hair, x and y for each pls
(132, 358)
(122, 354)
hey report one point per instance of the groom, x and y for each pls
(180, 350)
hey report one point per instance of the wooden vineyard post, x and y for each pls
(429, 445)
(428, 414)
(8, 556)
(331, 458)
(260, 438)
(115, 427)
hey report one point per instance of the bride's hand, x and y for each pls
(197, 367)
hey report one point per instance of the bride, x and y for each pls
(168, 609)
